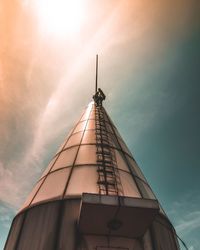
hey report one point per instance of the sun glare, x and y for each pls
(62, 17)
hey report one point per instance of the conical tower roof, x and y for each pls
(92, 196)
(93, 159)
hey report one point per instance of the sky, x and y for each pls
(149, 69)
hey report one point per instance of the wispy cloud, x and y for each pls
(6, 214)
(9, 186)
(185, 214)
(189, 223)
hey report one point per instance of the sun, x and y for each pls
(62, 17)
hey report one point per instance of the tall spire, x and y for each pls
(99, 96)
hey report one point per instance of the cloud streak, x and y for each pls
(190, 223)
(186, 216)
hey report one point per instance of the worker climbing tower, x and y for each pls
(92, 196)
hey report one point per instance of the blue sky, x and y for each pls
(149, 69)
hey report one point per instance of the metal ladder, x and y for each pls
(108, 174)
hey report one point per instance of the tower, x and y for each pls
(92, 196)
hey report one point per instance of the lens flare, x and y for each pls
(62, 17)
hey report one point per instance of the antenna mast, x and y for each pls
(99, 96)
(96, 82)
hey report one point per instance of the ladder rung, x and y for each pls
(105, 183)
(108, 156)
(107, 167)
(102, 152)
(105, 161)
(105, 144)
(100, 126)
(106, 172)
